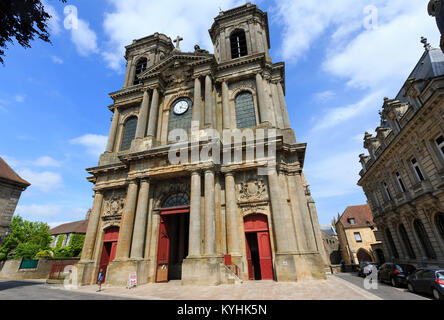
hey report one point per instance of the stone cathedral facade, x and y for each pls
(202, 222)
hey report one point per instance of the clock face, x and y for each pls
(181, 106)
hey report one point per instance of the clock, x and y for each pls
(181, 106)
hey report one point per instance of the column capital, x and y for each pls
(132, 181)
(228, 173)
(145, 179)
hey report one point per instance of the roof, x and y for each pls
(6, 173)
(328, 229)
(361, 214)
(72, 227)
(430, 65)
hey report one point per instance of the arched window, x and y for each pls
(424, 239)
(129, 132)
(177, 200)
(245, 113)
(238, 44)
(439, 220)
(140, 67)
(406, 240)
(392, 244)
(180, 117)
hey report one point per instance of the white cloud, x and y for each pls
(335, 175)
(84, 38)
(54, 22)
(324, 96)
(56, 60)
(95, 144)
(134, 19)
(46, 162)
(34, 210)
(335, 116)
(43, 181)
(19, 98)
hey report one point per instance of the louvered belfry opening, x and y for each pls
(140, 67)
(238, 44)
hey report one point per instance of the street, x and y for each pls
(384, 291)
(32, 290)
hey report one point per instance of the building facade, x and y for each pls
(358, 236)
(331, 244)
(11, 188)
(202, 221)
(403, 175)
(436, 9)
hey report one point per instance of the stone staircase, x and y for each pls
(230, 276)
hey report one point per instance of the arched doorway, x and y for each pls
(109, 248)
(173, 237)
(364, 256)
(257, 242)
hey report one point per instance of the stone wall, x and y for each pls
(11, 270)
(9, 197)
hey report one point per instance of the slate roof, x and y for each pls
(9, 175)
(328, 229)
(361, 214)
(73, 227)
(429, 66)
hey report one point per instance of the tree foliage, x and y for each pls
(26, 239)
(22, 20)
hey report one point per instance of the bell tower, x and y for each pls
(239, 32)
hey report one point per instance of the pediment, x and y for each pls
(176, 61)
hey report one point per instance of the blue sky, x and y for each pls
(341, 59)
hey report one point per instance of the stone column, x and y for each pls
(143, 116)
(210, 214)
(197, 100)
(141, 219)
(231, 216)
(113, 131)
(283, 106)
(126, 225)
(93, 223)
(277, 106)
(303, 207)
(226, 106)
(263, 108)
(279, 221)
(154, 111)
(194, 236)
(208, 101)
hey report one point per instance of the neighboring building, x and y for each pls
(164, 220)
(358, 236)
(436, 9)
(331, 244)
(65, 232)
(11, 188)
(403, 178)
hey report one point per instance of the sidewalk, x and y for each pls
(333, 288)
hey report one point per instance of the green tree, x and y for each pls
(26, 239)
(22, 20)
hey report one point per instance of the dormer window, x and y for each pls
(440, 144)
(140, 68)
(238, 44)
(351, 221)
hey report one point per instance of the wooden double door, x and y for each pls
(257, 243)
(173, 243)
(109, 249)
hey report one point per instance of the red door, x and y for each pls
(263, 240)
(109, 249)
(258, 225)
(249, 261)
(163, 251)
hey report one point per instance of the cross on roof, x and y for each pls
(177, 41)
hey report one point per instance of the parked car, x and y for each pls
(429, 281)
(365, 268)
(395, 274)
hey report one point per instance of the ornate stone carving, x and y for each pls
(114, 204)
(252, 190)
(257, 208)
(164, 190)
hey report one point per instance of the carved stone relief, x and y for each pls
(114, 204)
